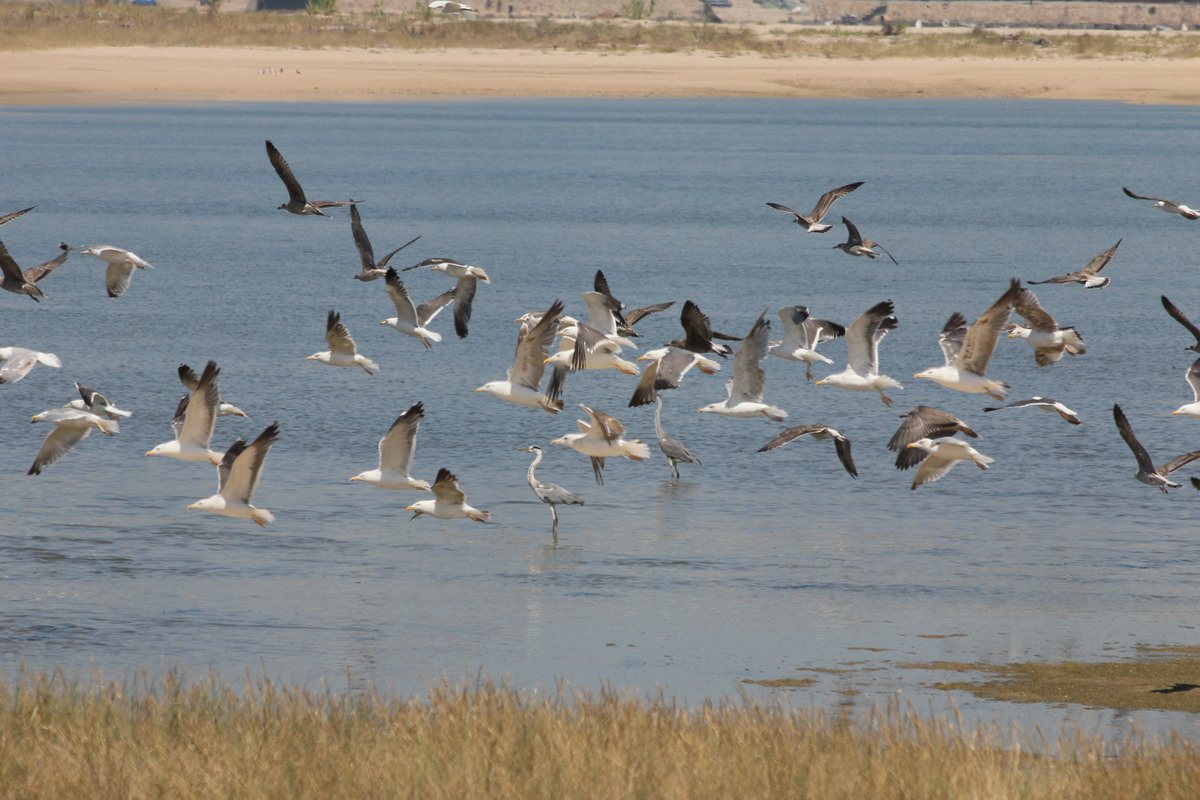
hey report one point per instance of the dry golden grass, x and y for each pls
(169, 739)
(50, 26)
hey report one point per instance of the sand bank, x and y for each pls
(150, 75)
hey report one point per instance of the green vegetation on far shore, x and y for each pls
(49, 26)
(168, 738)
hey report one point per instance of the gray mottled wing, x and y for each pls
(1101, 261)
(1178, 461)
(632, 317)
(748, 377)
(201, 412)
(861, 345)
(383, 261)
(923, 422)
(790, 435)
(885, 251)
(1139, 452)
(365, 253)
(60, 441)
(117, 277)
(529, 364)
(464, 296)
(9, 266)
(981, 337)
(1031, 310)
(405, 310)
(397, 446)
(226, 464)
(247, 467)
(338, 336)
(10, 217)
(608, 426)
(672, 367)
(1070, 277)
(822, 207)
(35, 274)
(697, 330)
(1179, 317)
(430, 308)
(295, 193)
(854, 238)
(779, 207)
(842, 445)
(445, 488)
(951, 338)
(332, 203)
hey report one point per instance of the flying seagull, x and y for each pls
(297, 203)
(812, 222)
(1089, 275)
(448, 501)
(189, 379)
(452, 7)
(71, 426)
(121, 264)
(1166, 205)
(529, 364)
(193, 422)
(1179, 317)
(855, 245)
(549, 493)
(625, 322)
(410, 319)
(18, 282)
(840, 443)
(1045, 403)
(396, 450)
(862, 346)
(342, 351)
(924, 422)
(371, 269)
(1146, 472)
(467, 278)
(745, 388)
(672, 448)
(600, 438)
(1192, 409)
(237, 478)
(968, 350)
(943, 455)
(1048, 341)
(93, 402)
(801, 335)
(19, 360)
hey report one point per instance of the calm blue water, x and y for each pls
(753, 566)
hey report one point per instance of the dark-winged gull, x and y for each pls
(71, 426)
(529, 364)
(93, 402)
(625, 322)
(396, 450)
(1179, 317)
(5, 219)
(968, 350)
(19, 360)
(1045, 403)
(601, 437)
(193, 422)
(862, 348)
(943, 454)
(672, 448)
(237, 478)
(923, 422)
(189, 379)
(297, 203)
(1047, 339)
(371, 269)
(411, 319)
(812, 221)
(448, 501)
(801, 335)
(745, 388)
(840, 443)
(1089, 276)
(1147, 473)
(549, 493)
(342, 351)
(1168, 206)
(121, 264)
(467, 279)
(1192, 409)
(856, 245)
(666, 369)
(13, 279)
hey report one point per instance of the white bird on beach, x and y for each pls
(193, 422)
(448, 501)
(237, 477)
(396, 450)
(19, 360)
(121, 264)
(410, 319)
(745, 388)
(467, 280)
(342, 351)
(93, 402)
(1048, 341)
(600, 438)
(968, 350)
(1192, 409)
(529, 364)
(1166, 205)
(801, 335)
(812, 221)
(862, 354)
(71, 426)
(943, 455)
(297, 203)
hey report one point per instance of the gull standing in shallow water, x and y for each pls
(371, 269)
(297, 203)
(121, 264)
(14, 280)
(673, 449)
(862, 346)
(410, 319)
(1089, 275)
(193, 423)
(745, 388)
(968, 350)
(237, 478)
(840, 443)
(71, 426)
(396, 450)
(601, 438)
(812, 222)
(529, 364)
(1166, 205)
(19, 360)
(1147, 473)
(801, 335)
(449, 501)
(549, 493)
(342, 351)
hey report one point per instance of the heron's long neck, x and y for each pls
(537, 459)
(658, 428)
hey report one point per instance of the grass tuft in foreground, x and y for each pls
(170, 738)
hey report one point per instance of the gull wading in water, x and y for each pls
(862, 347)
(193, 422)
(968, 350)
(297, 203)
(840, 443)
(121, 264)
(600, 438)
(19, 360)
(396, 450)
(448, 501)
(745, 388)
(549, 493)
(1089, 276)
(411, 320)
(71, 426)
(1166, 205)
(371, 269)
(1046, 404)
(237, 478)
(529, 364)
(13, 279)
(467, 279)
(1147, 473)
(856, 245)
(943, 455)
(812, 221)
(1048, 341)
(342, 351)
(801, 335)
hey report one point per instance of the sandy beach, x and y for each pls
(173, 75)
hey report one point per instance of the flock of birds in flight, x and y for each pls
(926, 437)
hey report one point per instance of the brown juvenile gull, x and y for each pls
(812, 222)
(297, 203)
(840, 443)
(1089, 275)
(1179, 317)
(1045, 403)
(923, 422)
(371, 269)
(856, 245)
(18, 282)
(1166, 205)
(1146, 472)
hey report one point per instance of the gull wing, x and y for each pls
(748, 377)
(646, 391)
(405, 310)
(383, 261)
(1177, 462)
(932, 468)
(1101, 261)
(1143, 197)
(397, 446)
(10, 217)
(430, 308)
(779, 207)
(820, 330)
(1179, 317)
(18, 365)
(605, 424)
(9, 266)
(338, 336)
(981, 337)
(841, 443)
(697, 330)
(1139, 452)
(35, 274)
(180, 414)
(1193, 379)
(951, 338)
(226, 464)
(530, 361)
(822, 207)
(793, 318)
(445, 488)
(365, 253)
(862, 346)
(295, 193)
(923, 422)
(790, 435)
(246, 467)
(117, 277)
(587, 339)
(464, 295)
(60, 441)
(1031, 310)
(600, 284)
(636, 314)
(602, 311)
(201, 411)
(188, 377)
(854, 238)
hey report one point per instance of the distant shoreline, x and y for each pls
(186, 75)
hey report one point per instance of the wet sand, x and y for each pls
(172, 75)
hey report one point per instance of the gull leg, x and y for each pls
(808, 370)
(887, 401)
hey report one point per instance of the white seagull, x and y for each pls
(121, 264)
(448, 501)
(19, 360)
(600, 438)
(529, 364)
(237, 478)
(1167, 205)
(1048, 341)
(411, 320)
(812, 222)
(943, 455)
(342, 351)
(452, 7)
(923, 422)
(1192, 409)
(862, 347)
(968, 350)
(396, 450)
(71, 426)
(801, 335)
(193, 423)
(745, 388)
